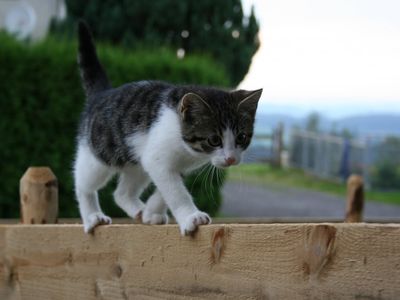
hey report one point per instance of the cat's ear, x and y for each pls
(192, 103)
(247, 100)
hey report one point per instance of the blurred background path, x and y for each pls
(246, 200)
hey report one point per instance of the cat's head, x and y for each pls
(219, 124)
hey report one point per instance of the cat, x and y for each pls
(153, 131)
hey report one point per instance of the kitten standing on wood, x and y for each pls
(153, 131)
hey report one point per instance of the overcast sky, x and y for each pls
(340, 57)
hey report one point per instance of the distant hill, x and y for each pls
(360, 125)
(266, 122)
(382, 124)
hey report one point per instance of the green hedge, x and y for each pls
(40, 102)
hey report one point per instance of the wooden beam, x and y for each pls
(228, 220)
(238, 261)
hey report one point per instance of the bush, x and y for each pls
(386, 172)
(210, 27)
(386, 176)
(41, 99)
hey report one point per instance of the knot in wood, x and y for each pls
(318, 249)
(218, 245)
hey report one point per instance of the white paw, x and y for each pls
(154, 218)
(94, 220)
(135, 210)
(191, 222)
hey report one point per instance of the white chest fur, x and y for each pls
(163, 145)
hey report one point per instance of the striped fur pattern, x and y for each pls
(153, 131)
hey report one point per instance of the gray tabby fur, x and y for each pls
(112, 115)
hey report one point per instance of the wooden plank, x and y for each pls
(229, 220)
(238, 261)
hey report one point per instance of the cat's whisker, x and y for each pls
(214, 177)
(200, 173)
(210, 185)
(216, 186)
(217, 172)
(128, 129)
(203, 178)
(219, 180)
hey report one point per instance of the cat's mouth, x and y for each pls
(225, 164)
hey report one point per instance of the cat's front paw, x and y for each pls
(154, 218)
(190, 224)
(94, 220)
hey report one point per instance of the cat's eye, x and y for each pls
(241, 138)
(214, 140)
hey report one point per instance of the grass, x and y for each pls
(263, 174)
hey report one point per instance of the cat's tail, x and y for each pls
(94, 78)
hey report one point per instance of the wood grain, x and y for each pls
(238, 261)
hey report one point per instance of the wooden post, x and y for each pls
(39, 196)
(277, 145)
(355, 199)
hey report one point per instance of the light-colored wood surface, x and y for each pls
(39, 196)
(232, 220)
(237, 261)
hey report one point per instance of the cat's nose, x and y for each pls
(230, 160)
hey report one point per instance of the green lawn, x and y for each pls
(263, 174)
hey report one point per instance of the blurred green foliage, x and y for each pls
(386, 173)
(217, 28)
(386, 176)
(41, 99)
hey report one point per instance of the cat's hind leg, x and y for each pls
(131, 184)
(155, 211)
(90, 175)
